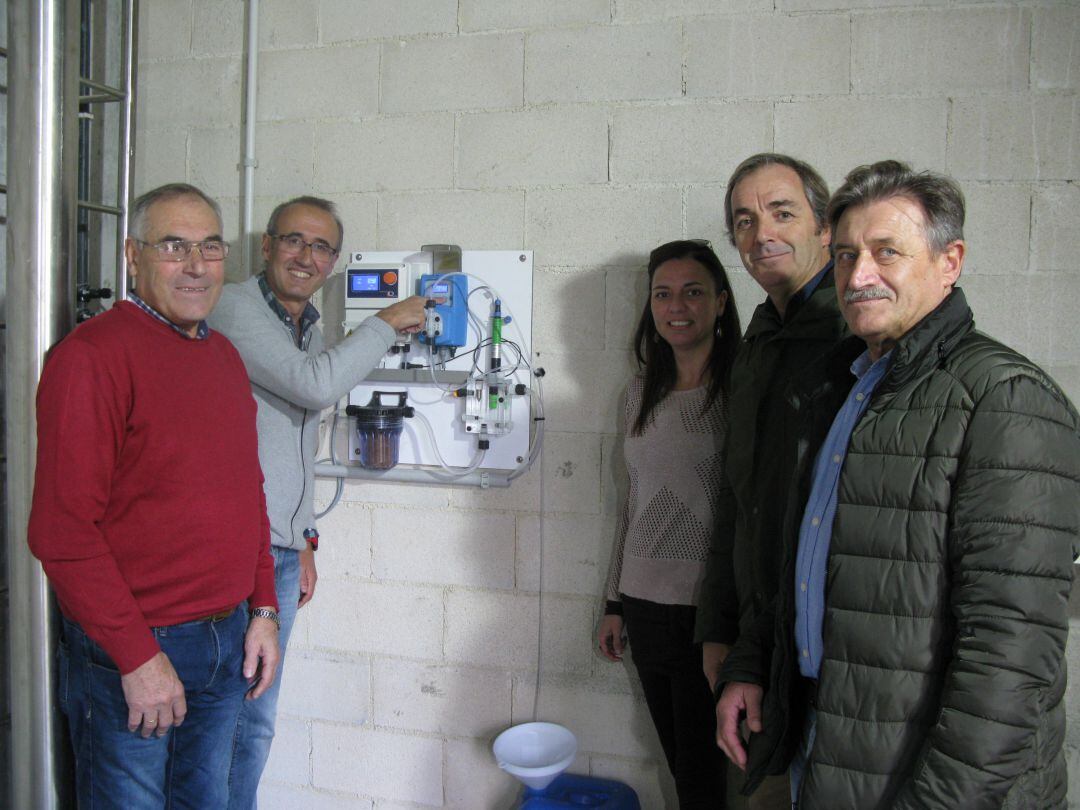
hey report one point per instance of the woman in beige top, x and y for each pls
(676, 422)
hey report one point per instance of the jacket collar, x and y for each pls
(930, 342)
(817, 313)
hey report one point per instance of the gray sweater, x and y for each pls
(665, 527)
(292, 385)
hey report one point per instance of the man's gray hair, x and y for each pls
(140, 209)
(815, 189)
(314, 202)
(939, 197)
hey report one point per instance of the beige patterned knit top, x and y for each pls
(665, 528)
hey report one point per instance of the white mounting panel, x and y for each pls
(509, 273)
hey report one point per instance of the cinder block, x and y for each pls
(489, 15)
(448, 701)
(317, 83)
(288, 23)
(768, 55)
(600, 226)
(994, 57)
(1053, 340)
(912, 130)
(680, 143)
(345, 542)
(164, 31)
(534, 147)
(215, 160)
(705, 213)
(572, 472)
(160, 157)
(649, 10)
(343, 693)
(168, 97)
(649, 778)
(1055, 238)
(576, 551)
(626, 294)
(474, 220)
(354, 616)
(1003, 308)
(445, 548)
(282, 797)
(997, 228)
(486, 628)
(218, 29)
(1055, 59)
(568, 634)
(286, 162)
(290, 755)
(582, 391)
(398, 153)
(377, 763)
(376, 19)
(613, 479)
(359, 213)
(849, 5)
(459, 73)
(568, 309)
(1016, 137)
(361, 491)
(604, 63)
(472, 780)
(523, 494)
(604, 722)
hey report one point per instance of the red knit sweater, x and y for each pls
(148, 503)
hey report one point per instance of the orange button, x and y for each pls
(389, 277)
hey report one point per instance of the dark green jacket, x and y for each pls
(745, 544)
(949, 573)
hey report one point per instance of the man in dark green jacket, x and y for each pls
(918, 649)
(775, 217)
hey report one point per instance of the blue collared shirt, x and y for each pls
(815, 532)
(201, 331)
(808, 288)
(307, 318)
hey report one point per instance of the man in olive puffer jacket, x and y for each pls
(918, 653)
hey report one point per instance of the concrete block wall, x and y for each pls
(587, 131)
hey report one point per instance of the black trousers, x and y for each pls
(682, 708)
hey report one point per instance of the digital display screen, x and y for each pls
(440, 290)
(363, 282)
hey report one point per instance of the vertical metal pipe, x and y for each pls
(248, 162)
(128, 46)
(39, 308)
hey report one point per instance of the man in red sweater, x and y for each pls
(150, 522)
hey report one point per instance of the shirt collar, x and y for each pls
(307, 318)
(202, 331)
(864, 364)
(808, 288)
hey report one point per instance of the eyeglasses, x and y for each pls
(177, 250)
(293, 244)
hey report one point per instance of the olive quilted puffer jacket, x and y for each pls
(949, 573)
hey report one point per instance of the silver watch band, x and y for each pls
(267, 613)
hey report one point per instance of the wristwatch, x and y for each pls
(312, 536)
(267, 613)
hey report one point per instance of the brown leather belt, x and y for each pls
(217, 617)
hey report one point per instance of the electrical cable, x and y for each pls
(340, 486)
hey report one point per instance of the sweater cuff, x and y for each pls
(384, 330)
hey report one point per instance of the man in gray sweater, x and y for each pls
(271, 321)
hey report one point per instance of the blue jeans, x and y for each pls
(255, 730)
(186, 768)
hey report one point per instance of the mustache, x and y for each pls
(867, 294)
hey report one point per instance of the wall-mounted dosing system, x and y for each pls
(468, 377)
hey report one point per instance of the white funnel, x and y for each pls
(535, 752)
